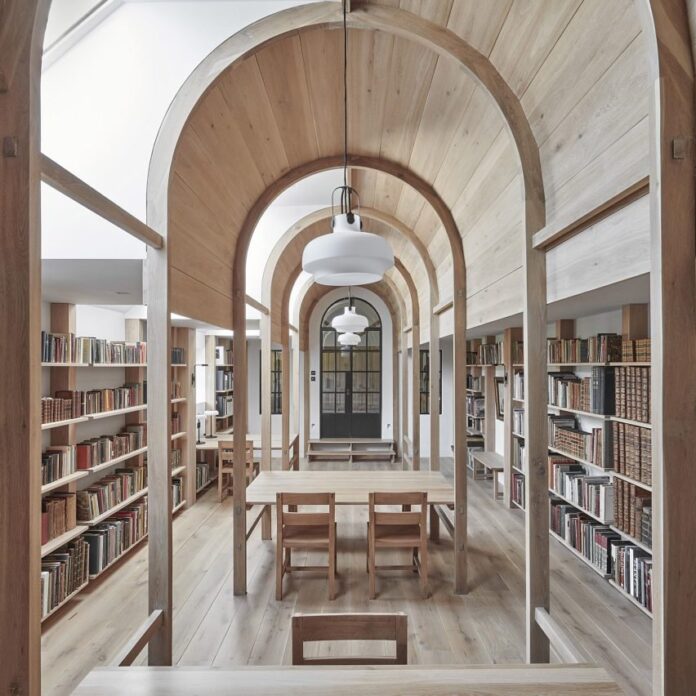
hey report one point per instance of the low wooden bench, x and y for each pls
(422, 680)
(493, 463)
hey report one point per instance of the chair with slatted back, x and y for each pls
(308, 628)
(309, 531)
(403, 529)
(226, 467)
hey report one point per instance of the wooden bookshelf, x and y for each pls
(113, 510)
(64, 481)
(118, 558)
(63, 539)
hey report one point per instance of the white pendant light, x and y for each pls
(349, 339)
(347, 256)
(349, 322)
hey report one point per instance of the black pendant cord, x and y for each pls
(345, 104)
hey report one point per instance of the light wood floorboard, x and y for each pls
(212, 627)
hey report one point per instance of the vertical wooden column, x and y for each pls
(241, 408)
(404, 399)
(285, 400)
(673, 333)
(295, 347)
(565, 328)
(159, 442)
(266, 418)
(415, 397)
(510, 337)
(20, 317)
(536, 441)
(460, 442)
(488, 372)
(396, 387)
(305, 398)
(210, 373)
(136, 331)
(188, 391)
(434, 378)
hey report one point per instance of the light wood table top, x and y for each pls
(491, 460)
(212, 443)
(350, 487)
(414, 680)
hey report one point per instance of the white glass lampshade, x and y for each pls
(349, 322)
(347, 256)
(348, 339)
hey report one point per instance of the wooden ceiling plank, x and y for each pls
(477, 23)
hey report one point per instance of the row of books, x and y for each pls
(224, 379)
(486, 354)
(110, 491)
(518, 386)
(98, 450)
(58, 515)
(223, 355)
(178, 356)
(68, 404)
(517, 489)
(518, 421)
(175, 458)
(224, 404)
(475, 382)
(63, 573)
(203, 475)
(632, 450)
(635, 350)
(113, 537)
(518, 460)
(87, 350)
(176, 390)
(594, 394)
(177, 491)
(594, 494)
(590, 538)
(633, 393)
(633, 511)
(475, 406)
(604, 347)
(567, 437)
(58, 462)
(632, 571)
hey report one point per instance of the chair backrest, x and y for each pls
(226, 452)
(292, 517)
(406, 516)
(308, 628)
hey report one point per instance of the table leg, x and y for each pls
(266, 524)
(495, 485)
(434, 524)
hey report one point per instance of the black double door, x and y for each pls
(351, 386)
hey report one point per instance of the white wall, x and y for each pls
(387, 357)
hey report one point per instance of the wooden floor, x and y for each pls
(212, 627)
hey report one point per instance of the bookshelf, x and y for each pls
(625, 461)
(63, 439)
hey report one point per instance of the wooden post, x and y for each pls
(536, 440)
(510, 337)
(404, 400)
(415, 397)
(285, 400)
(488, 372)
(188, 391)
(241, 405)
(565, 328)
(434, 395)
(295, 347)
(159, 482)
(396, 387)
(20, 310)
(673, 333)
(460, 443)
(305, 398)
(266, 418)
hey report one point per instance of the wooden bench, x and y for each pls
(351, 450)
(492, 463)
(464, 680)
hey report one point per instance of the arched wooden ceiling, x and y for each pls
(411, 103)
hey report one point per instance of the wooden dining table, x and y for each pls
(353, 487)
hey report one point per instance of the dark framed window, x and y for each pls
(276, 382)
(424, 371)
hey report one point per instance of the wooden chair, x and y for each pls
(308, 628)
(306, 531)
(226, 468)
(398, 530)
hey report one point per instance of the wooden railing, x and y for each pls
(560, 641)
(294, 460)
(140, 639)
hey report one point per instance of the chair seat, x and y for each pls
(312, 535)
(398, 535)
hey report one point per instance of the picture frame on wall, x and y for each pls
(499, 397)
